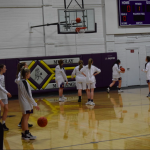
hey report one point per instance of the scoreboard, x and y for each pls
(134, 12)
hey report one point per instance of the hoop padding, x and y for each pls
(80, 28)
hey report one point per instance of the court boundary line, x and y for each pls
(100, 141)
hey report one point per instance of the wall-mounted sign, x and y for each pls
(53, 85)
(43, 72)
(110, 58)
(65, 60)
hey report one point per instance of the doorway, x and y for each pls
(133, 67)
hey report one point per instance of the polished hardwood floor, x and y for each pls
(117, 121)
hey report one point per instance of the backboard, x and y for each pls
(67, 20)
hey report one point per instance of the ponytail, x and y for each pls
(60, 62)
(90, 61)
(19, 67)
(80, 65)
(1, 66)
(117, 62)
(24, 71)
(148, 60)
(145, 65)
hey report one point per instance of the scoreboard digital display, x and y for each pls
(134, 12)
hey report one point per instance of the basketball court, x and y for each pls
(50, 38)
(116, 121)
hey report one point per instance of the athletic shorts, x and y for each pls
(91, 85)
(148, 81)
(60, 84)
(5, 101)
(81, 85)
(117, 79)
(28, 112)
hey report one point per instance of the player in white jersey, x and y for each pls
(116, 76)
(147, 70)
(90, 72)
(3, 95)
(80, 79)
(18, 75)
(60, 78)
(26, 102)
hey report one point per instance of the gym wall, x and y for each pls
(43, 71)
(16, 41)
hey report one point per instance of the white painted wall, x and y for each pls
(16, 41)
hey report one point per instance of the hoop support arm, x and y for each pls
(47, 24)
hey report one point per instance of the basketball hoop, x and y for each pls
(80, 30)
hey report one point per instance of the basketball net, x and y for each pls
(80, 30)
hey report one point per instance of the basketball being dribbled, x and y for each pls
(42, 121)
(78, 20)
(122, 69)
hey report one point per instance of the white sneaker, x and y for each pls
(63, 97)
(19, 125)
(120, 91)
(61, 100)
(31, 136)
(28, 136)
(148, 95)
(88, 103)
(108, 90)
(92, 103)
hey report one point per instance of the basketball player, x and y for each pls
(147, 70)
(90, 72)
(80, 79)
(26, 102)
(3, 96)
(116, 76)
(60, 78)
(18, 75)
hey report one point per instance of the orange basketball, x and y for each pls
(78, 20)
(42, 121)
(122, 69)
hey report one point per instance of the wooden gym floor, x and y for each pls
(118, 121)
